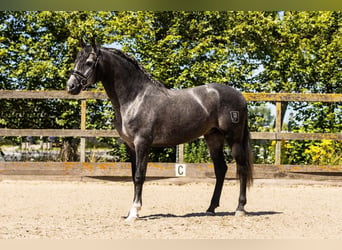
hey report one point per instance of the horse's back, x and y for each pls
(228, 94)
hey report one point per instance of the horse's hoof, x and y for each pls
(131, 219)
(240, 213)
(210, 213)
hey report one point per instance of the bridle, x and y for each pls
(83, 78)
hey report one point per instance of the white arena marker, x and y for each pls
(180, 169)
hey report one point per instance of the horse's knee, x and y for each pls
(139, 179)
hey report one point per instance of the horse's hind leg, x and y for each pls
(215, 141)
(239, 155)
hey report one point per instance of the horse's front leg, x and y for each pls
(141, 147)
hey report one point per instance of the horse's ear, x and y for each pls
(82, 43)
(93, 42)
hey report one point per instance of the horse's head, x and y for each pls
(84, 72)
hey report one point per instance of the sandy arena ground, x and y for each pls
(172, 209)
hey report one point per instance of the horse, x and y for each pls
(147, 114)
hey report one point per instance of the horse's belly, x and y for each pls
(175, 137)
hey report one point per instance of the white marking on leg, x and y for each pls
(239, 213)
(133, 212)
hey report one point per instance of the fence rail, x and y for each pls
(83, 133)
(265, 97)
(113, 133)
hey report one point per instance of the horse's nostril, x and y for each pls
(71, 86)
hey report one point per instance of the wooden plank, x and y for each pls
(269, 97)
(58, 132)
(114, 133)
(83, 114)
(295, 136)
(311, 168)
(309, 136)
(293, 97)
(278, 130)
(50, 94)
(83, 128)
(123, 169)
(82, 168)
(180, 153)
(263, 135)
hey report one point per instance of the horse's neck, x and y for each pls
(121, 80)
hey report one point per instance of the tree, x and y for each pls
(307, 58)
(35, 56)
(253, 51)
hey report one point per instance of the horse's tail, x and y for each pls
(248, 166)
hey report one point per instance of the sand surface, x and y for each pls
(277, 209)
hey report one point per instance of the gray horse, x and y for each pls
(148, 114)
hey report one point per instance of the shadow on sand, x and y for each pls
(192, 215)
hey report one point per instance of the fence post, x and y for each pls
(278, 130)
(83, 127)
(180, 153)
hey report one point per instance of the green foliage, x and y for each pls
(185, 49)
(196, 151)
(253, 51)
(263, 151)
(260, 118)
(163, 154)
(324, 152)
(119, 150)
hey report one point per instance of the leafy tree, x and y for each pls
(308, 59)
(262, 121)
(35, 56)
(253, 51)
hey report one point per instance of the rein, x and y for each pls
(84, 78)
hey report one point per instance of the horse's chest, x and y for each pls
(123, 128)
(131, 125)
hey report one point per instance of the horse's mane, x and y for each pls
(133, 61)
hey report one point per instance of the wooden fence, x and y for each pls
(160, 169)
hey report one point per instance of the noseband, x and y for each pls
(83, 79)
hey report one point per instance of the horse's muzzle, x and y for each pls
(73, 87)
